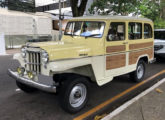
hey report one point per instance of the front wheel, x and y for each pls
(74, 94)
(139, 73)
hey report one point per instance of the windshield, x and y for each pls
(160, 35)
(88, 29)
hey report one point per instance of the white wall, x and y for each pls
(2, 44)
(19, 23)
(46, 2)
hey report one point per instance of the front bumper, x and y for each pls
(38, 85)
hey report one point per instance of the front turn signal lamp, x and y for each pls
(20, 70)
(30, 75)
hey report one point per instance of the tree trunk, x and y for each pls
(78, 10)
(162, 11)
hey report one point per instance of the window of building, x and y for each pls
(116, 31)
(135, 31)
(147, 31)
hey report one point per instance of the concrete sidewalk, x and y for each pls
(149, 107)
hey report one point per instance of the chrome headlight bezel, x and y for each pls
(23, 52)
(44, 56)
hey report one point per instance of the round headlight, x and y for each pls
(23, 52)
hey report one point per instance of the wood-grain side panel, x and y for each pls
(115, 61)
(133, 56)
(111, 49)
(140, 45)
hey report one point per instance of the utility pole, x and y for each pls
(60, 22)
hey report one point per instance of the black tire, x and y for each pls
(134, 75)
(25, 88)
(66, 90)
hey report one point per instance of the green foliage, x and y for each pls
(162, 9)
(123, 7)
(159, 23)
(150, 9)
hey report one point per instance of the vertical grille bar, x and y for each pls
(34, 61)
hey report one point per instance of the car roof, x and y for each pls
(109, 17)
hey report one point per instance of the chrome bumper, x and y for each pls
(40, 86)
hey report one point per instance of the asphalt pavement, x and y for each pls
(17, 105)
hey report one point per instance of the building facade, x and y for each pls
(52, 6)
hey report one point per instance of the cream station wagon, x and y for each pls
(93, 48)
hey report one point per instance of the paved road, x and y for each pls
(17, 105)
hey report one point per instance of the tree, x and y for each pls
(78, 7)
(162, 9)
(150, 9)
(115, 7)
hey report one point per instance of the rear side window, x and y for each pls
(135, 31)
(147, 31)
(116, 31)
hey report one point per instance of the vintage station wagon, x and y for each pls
(93, 48)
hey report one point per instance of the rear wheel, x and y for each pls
(139, 73)
(25, 88)
(74, 94)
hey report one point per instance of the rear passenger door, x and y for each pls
(115, 48)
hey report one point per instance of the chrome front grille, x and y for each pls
(34, 61)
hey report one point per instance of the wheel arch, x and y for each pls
(81, 71)
(144, 58)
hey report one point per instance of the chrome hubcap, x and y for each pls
(78, 95)
(140, 71)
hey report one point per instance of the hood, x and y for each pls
(159, 42)
(63, 50)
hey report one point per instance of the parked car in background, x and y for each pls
(159, 42)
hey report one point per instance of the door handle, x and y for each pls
(125, 43)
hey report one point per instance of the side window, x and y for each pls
(69, 28)
(147, 31)
(135, 31)
(73, 28)
(116, 31)
(93, 29)
(77, 28)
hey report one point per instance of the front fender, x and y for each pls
(63, 65)
(97, 63)
(19, 58)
